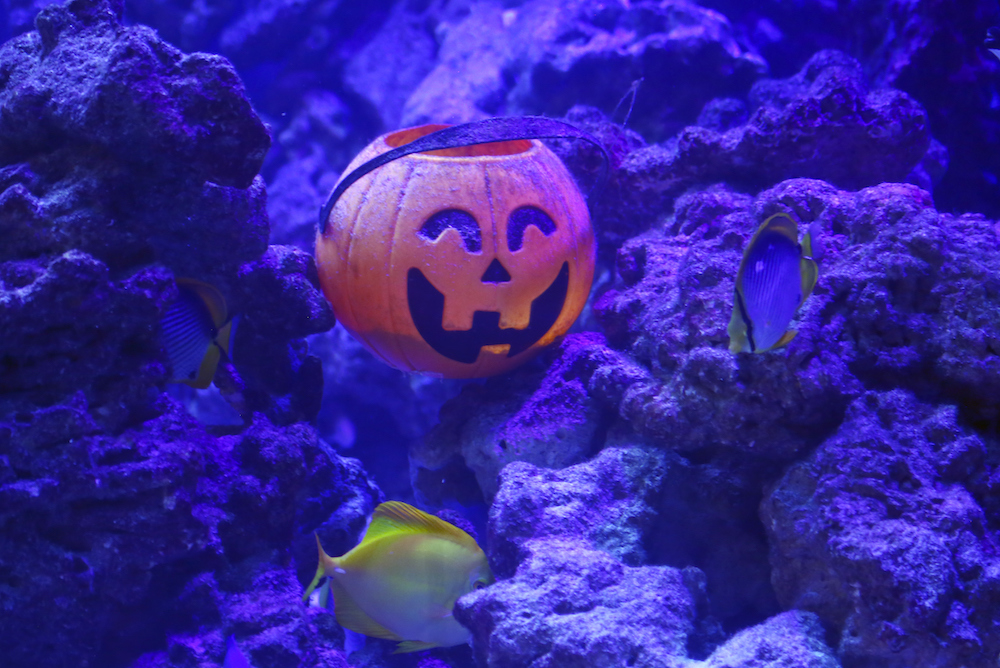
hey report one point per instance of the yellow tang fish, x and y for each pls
(775, 277)
(402, 580)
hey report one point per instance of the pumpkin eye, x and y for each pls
(519, 221)
(462, 221)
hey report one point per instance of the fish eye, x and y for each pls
(478, 584)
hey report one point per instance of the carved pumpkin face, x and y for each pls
(461, 262)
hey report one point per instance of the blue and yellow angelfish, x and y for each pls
(776, 275)
(197, 332)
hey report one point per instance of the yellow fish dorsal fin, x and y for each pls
(782, 223)
(351, 616)
(413, 646)
(395, 517)
(214, 301)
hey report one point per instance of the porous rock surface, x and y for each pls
(125, 153)
(571, 550)
(915, 46)
(543, 57)
(158, 533)
(541, 418)
(907, 296)
(825, 122)
(793, 639)
(566, 548)
(888, 532)
(133, 534)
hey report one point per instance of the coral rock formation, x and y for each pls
(886, 533)
(133, 533)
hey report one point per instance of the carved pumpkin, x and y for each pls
(462, 262)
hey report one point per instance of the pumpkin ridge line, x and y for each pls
(568, 214)
(404, 191)
(362, 198)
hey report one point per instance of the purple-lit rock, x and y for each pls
(825, 122)
(896, 303)
(316, 141)
(606, 503)
(541, 418)
(384, 75)
(70, 330)
(567, 548)
(792, 639)
(930, 49)
(126, 523)
(119, 145)
(132, 533)
(884, 533)
(544, 57)
(278, 376)
(131, 94)
(144, 155)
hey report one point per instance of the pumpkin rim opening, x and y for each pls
(491, 149)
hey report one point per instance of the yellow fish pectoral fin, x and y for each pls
(784, 340)
(351, 616)
(413, 646)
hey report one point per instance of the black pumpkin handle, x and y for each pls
(484, 131)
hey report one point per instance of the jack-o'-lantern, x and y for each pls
(459, 262)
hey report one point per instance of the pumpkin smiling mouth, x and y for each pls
(427, 310)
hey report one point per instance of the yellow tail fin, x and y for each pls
(326, 564)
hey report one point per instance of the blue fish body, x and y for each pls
(775, 276)
(197, 332)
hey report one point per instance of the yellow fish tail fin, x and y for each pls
(413, 646)
(326, 566)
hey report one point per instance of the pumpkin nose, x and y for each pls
(495, 273)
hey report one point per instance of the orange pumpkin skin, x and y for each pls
(377, 234)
